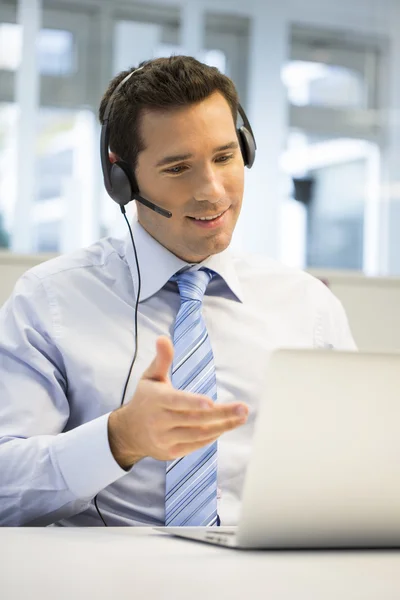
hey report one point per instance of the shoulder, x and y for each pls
(266, 275)
(293, 291)
(96, 255)
(70, 272)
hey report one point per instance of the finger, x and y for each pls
(192, 411)
(183, 449)
(205, 432)
(159, 368)
(181, 401)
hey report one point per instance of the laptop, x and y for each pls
(324, 470)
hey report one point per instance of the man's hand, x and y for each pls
(165, 423)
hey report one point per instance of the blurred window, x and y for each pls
(55, 50)
(47, 236)
(51, 170)
(62, 142)
(8, 170)
(333, 180)
(319, 84)
(56, 56)
(332, 157)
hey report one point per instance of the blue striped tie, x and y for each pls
(191, 481)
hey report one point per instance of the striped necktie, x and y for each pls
(191, 481)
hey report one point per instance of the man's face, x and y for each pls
(192, 166)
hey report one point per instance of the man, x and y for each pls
(69, 453)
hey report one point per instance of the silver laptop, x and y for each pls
(325, 464)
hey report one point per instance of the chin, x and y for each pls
(219, 244)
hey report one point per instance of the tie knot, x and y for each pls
(193, 284)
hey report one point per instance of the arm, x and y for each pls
(332, 325)
(45, 475)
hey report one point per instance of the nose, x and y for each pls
(210, 187)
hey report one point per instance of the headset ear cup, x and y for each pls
(121, 183)
(247, 146)
(131, 176)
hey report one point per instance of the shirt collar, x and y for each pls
(158, 265)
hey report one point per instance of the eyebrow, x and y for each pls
(179, 157)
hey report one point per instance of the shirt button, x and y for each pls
(219, 493)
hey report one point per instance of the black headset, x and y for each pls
(119, 178)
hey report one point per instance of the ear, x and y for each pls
(113, 157)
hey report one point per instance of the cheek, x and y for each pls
(170, 192)
(234, 184)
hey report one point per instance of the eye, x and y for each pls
(175, 170)
(225, 158)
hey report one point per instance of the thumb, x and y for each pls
(159, 368)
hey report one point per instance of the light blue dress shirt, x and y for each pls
(66, 344)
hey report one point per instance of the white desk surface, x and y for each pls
(118, 563)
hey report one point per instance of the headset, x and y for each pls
(119, 178)
(121, 185)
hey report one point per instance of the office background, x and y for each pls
(320, 81)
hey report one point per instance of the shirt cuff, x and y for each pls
(85, 460)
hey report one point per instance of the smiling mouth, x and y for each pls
(209, 218)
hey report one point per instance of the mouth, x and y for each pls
(209, 221)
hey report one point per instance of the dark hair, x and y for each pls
(161, 84)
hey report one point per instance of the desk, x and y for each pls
(120, 563)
